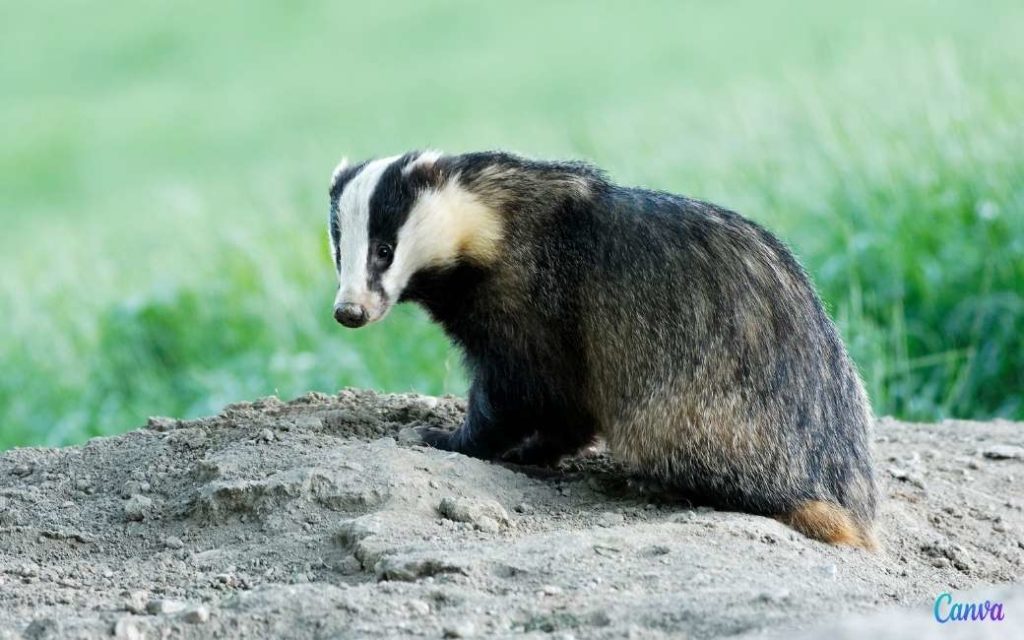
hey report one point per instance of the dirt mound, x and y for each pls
(323, 517)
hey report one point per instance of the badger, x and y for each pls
(686, 336)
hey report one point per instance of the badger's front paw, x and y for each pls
(532, 454)
(434, 437)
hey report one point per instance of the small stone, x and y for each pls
(136, 508)
(779, 596)
(22, 470)
(130, 488)
(460, 630)
(137, 602)
(267, 402)
(410, 568)
(128, 629)
(428, 403)
(265, 436)
(940, 562)
(473, 511)
(27, 571)
(550, 590)
(173, 542)
(348, 566)
(523, 507)
(960, 559)
(830, 571)
(418, 607)
(487, 524)
(198, 615)
(913, 477)
(160, 423)
(158, 607)
(610, 519)
(1004, 452)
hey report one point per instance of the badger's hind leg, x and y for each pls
(829, 523)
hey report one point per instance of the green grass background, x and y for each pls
(164, 170)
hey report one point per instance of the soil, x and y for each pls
(324, 517)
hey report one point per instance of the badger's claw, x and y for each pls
(434, 437)
(532, 454)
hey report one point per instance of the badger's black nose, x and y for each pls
(350, 314)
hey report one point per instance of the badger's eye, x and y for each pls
(384, 254)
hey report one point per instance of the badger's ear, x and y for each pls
(344, 164)
(425, 170)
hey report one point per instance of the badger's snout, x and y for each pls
(350, 314)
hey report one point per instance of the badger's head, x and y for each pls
(395, 217)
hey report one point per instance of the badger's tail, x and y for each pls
(829, 523)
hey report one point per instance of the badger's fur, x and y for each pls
(685, 335)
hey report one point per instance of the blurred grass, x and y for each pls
(164, 173)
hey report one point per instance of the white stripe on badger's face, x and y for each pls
(344, 164)
(354, 243)
(445, 224)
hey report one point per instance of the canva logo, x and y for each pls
(948, 610)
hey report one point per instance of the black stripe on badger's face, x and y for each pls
(389, 206)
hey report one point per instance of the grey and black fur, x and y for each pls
(685, 335)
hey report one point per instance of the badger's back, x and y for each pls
(711, 362)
